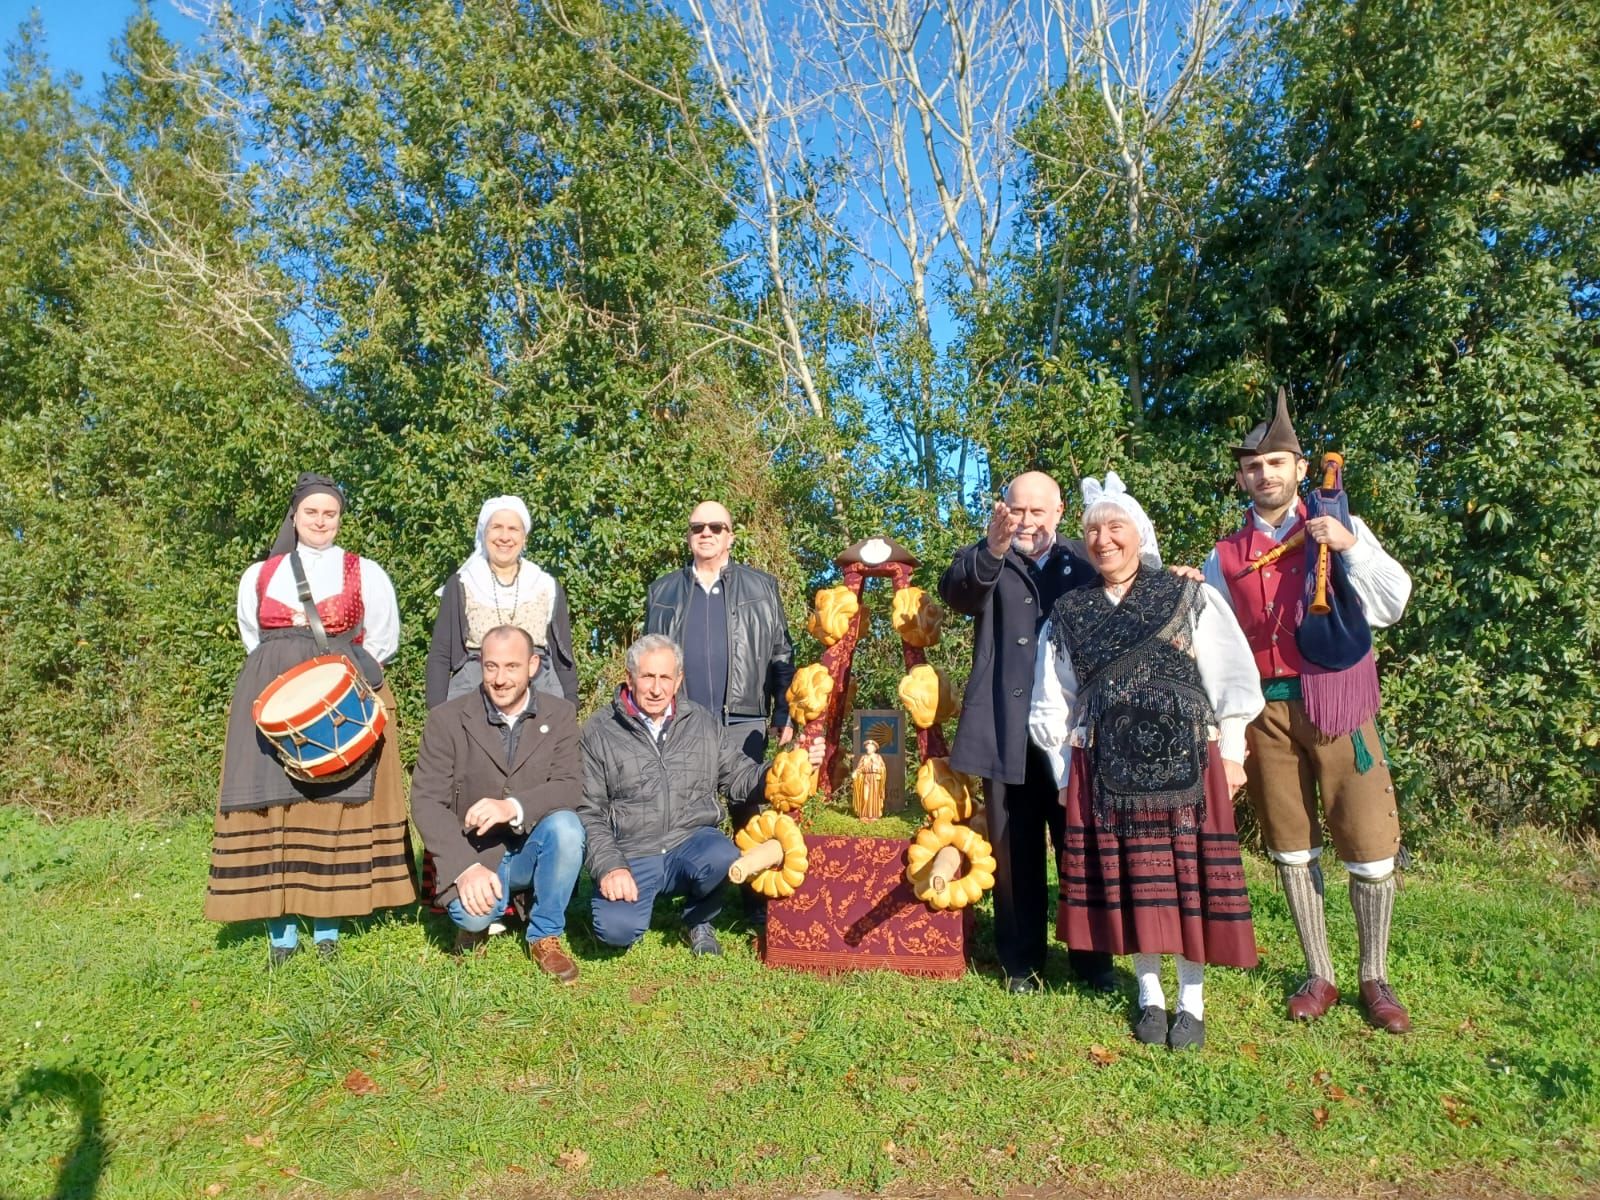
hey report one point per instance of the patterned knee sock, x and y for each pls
(1302, 887)
(1191, 982)
(1147, 969)
(1373, 903)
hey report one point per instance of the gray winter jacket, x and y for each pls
(642, 796)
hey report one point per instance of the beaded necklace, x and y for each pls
(516, 594)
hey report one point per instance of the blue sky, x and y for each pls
(79, 33)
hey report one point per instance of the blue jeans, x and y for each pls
(548, 861)
(697, 869)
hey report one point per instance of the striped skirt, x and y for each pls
(316, 858)
(1158, 893)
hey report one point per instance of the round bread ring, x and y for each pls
(945, 794)
(781, 880)
(791, 780)
(966, 888)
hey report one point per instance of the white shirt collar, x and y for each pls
(1277, 532)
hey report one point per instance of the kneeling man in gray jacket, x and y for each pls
(654, 766)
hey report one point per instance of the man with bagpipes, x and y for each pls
(1309, 582)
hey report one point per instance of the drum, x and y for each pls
(322, 717)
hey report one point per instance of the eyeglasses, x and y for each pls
(717, 527)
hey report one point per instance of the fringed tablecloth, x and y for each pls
(856, 912)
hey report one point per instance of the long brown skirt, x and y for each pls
(1161, 893)
(316, 858)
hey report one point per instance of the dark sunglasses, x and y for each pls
(714, 526)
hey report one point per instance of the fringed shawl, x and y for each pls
(1141, 697)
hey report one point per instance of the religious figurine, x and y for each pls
(866, 784)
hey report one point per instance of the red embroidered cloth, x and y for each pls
(856, 912)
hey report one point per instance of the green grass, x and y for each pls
(145, 1052)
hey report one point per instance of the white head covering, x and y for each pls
(1115, 495)
(477, 576)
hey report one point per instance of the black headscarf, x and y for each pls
(309, 484)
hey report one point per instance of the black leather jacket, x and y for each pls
(760, 655)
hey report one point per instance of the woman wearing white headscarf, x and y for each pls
(1142, 692)
(497, 586)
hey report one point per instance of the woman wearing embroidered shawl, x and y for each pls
(282, 849)
(1142, 692)
(497, 586)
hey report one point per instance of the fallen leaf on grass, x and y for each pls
(359, 1083)
(1322, 1077)
(1335, 1092)
(889, 1148)
(214, 1189)
(516, 1170)
(572, 1160)
(1248, 1049)
(1320, 1116)
(258, 1140)
(1100, 1056)
(194, 1005)
(1458, 1112)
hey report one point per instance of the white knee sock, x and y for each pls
(1191, 982)
(1147, 969)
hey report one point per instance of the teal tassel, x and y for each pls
(1363, 755)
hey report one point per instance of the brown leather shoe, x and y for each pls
(1383, 1008)
(553, 960)
(1315, 997)
(470, 944)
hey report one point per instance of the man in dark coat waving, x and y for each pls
(1009, 582)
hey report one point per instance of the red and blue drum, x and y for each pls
(322, 717)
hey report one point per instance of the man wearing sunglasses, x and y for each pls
(729, 620)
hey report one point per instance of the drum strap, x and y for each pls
(313, 617)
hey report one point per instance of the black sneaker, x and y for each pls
(1022, 985)
(280, 955)
(703, 939)
(1188, 1032)
(1151, 1027)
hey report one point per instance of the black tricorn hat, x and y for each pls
(1272, 436)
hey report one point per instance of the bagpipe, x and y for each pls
(1333, 632)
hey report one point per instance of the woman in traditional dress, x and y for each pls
(282, 848)
(1142, 693)
(497, 586)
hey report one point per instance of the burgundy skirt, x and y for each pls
(1158, 893)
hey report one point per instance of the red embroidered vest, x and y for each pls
(1268, 602)
(339, 613)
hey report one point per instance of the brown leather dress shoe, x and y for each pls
(550, 958)
(1315, 997)
(1383, 1008)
